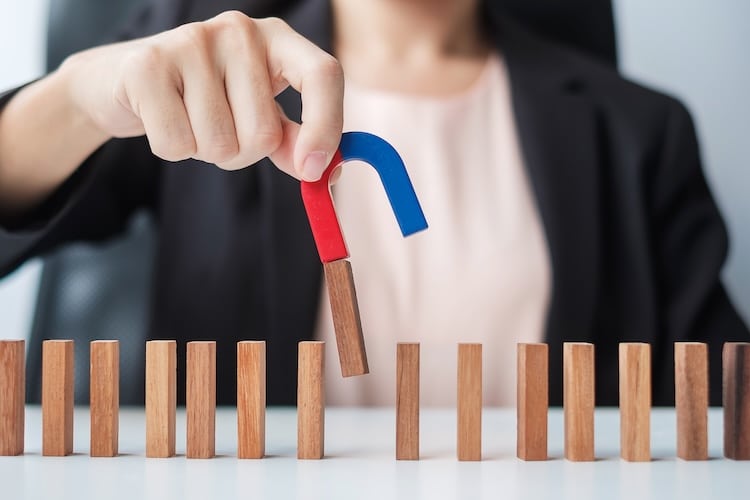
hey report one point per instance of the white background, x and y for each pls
(696, 50)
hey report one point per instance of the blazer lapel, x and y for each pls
(556, 123)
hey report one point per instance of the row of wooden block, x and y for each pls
(691, 400)
(691, 392)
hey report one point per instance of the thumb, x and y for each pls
(283, 157)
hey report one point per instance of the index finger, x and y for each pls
(318, 77)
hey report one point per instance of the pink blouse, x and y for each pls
(480, 273)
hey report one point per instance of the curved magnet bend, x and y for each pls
(373, 150)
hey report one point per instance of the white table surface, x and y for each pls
(360, 463)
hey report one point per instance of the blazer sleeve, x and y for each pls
(96, 202)
(690, 246)
(93, 204)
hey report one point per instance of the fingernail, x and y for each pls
(314, 166)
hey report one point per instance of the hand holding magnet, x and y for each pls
(330, 242)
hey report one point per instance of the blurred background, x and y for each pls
(693, 49)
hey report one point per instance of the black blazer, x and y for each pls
(635, 239)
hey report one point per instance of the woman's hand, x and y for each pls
(206, 91)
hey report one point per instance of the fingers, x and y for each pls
(283, 157)
(257, 120)
(207, 91)
(319, 78)
(208, 109)
(153, 95)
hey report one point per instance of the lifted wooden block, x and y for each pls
(635, 401)
(469, 405)
(104, 390)
(161, 397)
(57, 397)
(251, 399)
(346, 323)
(310, 400)
(691, 399)
(736, 389)
(407, 401)
(12, 396)
(578, 401)
(532, 401)
(201, 399)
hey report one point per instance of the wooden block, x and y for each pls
(161, 397)
(104, 390)
(12, 396)
(251, 399)
(736, 389)
(407, 401)
(635, 401)
(346, 324)
(469, 397)
(200, 400)
(310, 400)
(532, 401)
(578, 401)
(691, 399)
(57, 398)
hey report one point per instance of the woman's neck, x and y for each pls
(409, 29)
(422, 46)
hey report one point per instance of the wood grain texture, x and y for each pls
(200, 400)
(310, 400)
(469, 402)
(578, 401)
(104, 391)
(736, 395)
(346, 323)
(251, 399)
(12, 396)
(57, 397)
(407, 401)
(691, 399)
(532, 401)
(161, 397)
(635, 401)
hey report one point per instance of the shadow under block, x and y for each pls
(12, 396)
(691, 399)
(251, 399)
(200, 400)
(736, 389)
(532, 401)
(104, 390)
(407, 401)
(578, 401)
(635, 401)
(310, 400)
(161, 397)
(57, 398)
(346, 323)
(469, 402)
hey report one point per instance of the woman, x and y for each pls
(565, 203)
